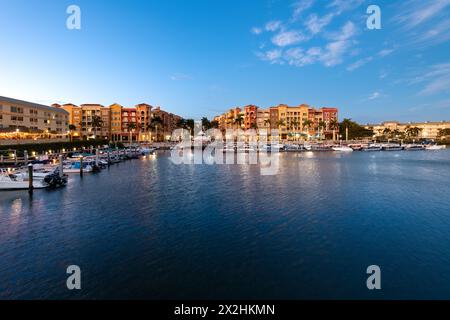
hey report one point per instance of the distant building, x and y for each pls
(27, 120)
(427, 130)
(119, 123)
(293, 122)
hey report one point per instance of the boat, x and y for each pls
(414, 147)
(293, 147)
(392, 147)
(147, 151)
(435, 147)
(342, 149)
(11, 181)
(318, 147)
(74, 166)
(372, 147)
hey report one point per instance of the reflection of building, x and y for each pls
(119, 123)
(427, 130)
(292, 122)
(27, 120)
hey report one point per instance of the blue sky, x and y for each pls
(202, 57)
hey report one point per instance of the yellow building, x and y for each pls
(427, 130)
(26, 120)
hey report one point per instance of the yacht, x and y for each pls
(435, 147)
(74, 166)
(342, 149)
(12, 181)
(414, 147)
(372, 147)
(392, 147)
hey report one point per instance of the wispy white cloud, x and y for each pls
(273, 56)
(315, 24)
(256, 30)
(374, 95)
(358, 64)
(273, 26)
(417, 12)
(434, 80)
(344, 5)
(287, 38)
(299, 7)
(180, 76)
(385, 52)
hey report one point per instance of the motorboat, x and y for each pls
(392, 147)
(293, 147)
(74, 166)
(372, 147)
(12, 181)
(342, 149)
(435, 147)
(414, 147)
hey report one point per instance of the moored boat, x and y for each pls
(435, 147)
(342, 149)
(414, 147)
(392, 147)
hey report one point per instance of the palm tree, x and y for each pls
(307, 124)
(267, 122)
(413, 132)
(206, 124)
(190, 125)
(155, 123)
(72, 128)
(131, 127)
(322, 126)
(97, 122)
(239, 119)
(334, 124)
(387, 132)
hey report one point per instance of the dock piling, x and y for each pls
(61, 167)
(30, 178)
(81, 166)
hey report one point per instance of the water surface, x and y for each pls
(149, 229)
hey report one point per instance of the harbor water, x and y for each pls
(150, 229)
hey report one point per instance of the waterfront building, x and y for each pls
(27, 120)
(119, 123)
(293, 122)
(395, 129)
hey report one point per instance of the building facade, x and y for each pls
(292, 122)
(119, 123)
(427, 130)
(26, 120)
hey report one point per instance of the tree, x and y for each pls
(307, 125)
(334, 124)
(267, 122)
(239, 119)
(214, 124)
(72, 128)
(155, 123)
(97, 122)
(206, 124)
(444, 132)
(190, 125)
(355, 131)
(131, 127)
(322, 126)
(412, 132)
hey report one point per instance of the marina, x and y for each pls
(162, 230)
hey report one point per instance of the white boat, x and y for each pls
(343, 149)
(392, 147)
(435, 147)
(414, 147)
(372, 147)
(12, 181)
(74, 167)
